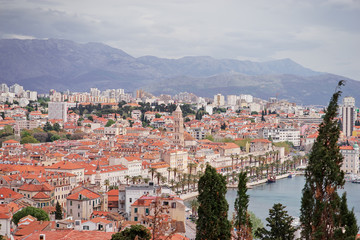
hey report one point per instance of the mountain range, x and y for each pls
(57, 64)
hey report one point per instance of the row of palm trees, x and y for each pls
(257, 168)
(270, 156)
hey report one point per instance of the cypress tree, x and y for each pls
(242, 221)
(213, 223)
(279, 223)
(320, 203)
(58, 211)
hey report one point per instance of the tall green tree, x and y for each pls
(242, 221)
(58, 211)
(320, 204)
(279, 225)
(347, 222)
(213, 223)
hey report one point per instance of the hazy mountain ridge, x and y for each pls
(61, 64)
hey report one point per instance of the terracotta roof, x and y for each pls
(100, 219)
(40, 195)
(72, 235)
(25, 230)
(85, 193)
(346, 148)
(8, 193)
(261, 140)
(65, 166)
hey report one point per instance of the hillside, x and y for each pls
(61, 64)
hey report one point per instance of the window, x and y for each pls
(135, 219)
(173, 205)
(57, 225)
(130, 199)
(78, 214)
(85, 227)
(70, 203)
(135, 210)
(147, 210)
(166, 203)
(79, 206)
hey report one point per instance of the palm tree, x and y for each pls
(158, 176)
(172, 181)
(175, 170)
(189, 180)
(106, 183)
(233, 175)
(163, 179)
(232, 161)
(190, 166)
(267, 169)
(247, 170)
(250, 156)
(169, 171)
(202, 166)
(152, 171)
(146, 180)
(139, 178)
(194, 206)
(246, 158)
(134, 179)
(127, 178)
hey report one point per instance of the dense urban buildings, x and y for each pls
(108, 157)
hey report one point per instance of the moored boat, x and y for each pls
(271, 179)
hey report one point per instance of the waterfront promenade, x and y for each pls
(191, 195)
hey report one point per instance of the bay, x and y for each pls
(287, 191)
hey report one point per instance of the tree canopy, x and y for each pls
(321, 206)
(213, 209)
(279, 225)
(38, 213)
(139, 231)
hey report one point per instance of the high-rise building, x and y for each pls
(348, 115)
(178, 127)
(58, 110)
(231, 100)
(219, 100)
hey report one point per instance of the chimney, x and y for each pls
(42, 237)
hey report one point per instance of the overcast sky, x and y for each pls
(323, 35)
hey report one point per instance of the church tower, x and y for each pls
(178, 127)
(97, 175)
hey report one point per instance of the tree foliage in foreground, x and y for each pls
(38, 213)
(324, 214)
(213, 223)
(242, 221)
(139, 231)
(279, 224)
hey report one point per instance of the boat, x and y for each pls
(271, 179)
(290, 175)
(356, 181)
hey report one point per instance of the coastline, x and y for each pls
(191, 195)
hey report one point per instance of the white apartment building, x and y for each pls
(176, 159)
(283, 134)
(248, 98)
(58, 110)
(351, 159)
(348, 116)
(219, 100)
(231, 100)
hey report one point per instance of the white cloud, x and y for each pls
(320, 34)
